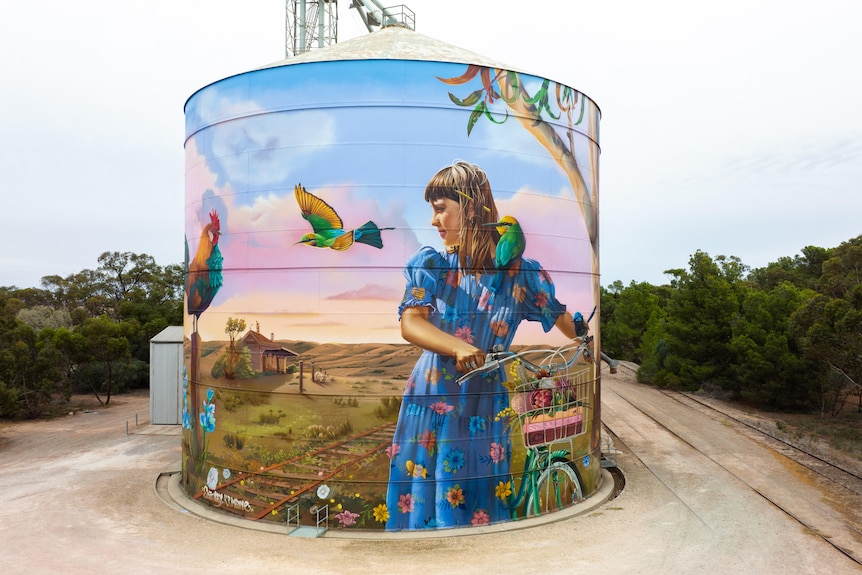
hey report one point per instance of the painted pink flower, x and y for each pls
(453, 278)
(541, 398)
(393, 450)
(480, 518)
(405, 503)
(347, 518)
(428, 440)
(464, 333)
(441, 407)
(497, 452)
(541, 299)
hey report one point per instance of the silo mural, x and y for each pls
(364, 225)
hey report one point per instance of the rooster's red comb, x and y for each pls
(214, 219)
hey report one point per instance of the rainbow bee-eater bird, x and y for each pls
(510, 246)
(328, 229)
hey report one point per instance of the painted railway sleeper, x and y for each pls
(273, 487)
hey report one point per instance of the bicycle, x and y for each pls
(548, 401)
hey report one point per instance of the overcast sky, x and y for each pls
(734, 127)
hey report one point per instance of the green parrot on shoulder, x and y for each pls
(511, 245)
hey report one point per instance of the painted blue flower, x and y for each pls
(187, 418)
(207, 418)
(450, 314)
(477, 424)
(210, 395)
(454, 460)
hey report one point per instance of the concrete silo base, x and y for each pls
(169, 490)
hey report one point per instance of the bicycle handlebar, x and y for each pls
(495, 359)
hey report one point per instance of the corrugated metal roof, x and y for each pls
(391, 43)
(171, 334)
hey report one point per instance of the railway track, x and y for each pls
(829, 470)
(843, 479)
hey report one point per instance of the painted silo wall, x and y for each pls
(300, 387)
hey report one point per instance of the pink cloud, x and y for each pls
(371, 291)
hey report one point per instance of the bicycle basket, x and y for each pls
(550, 408)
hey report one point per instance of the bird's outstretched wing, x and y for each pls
(319, 214)
(342, 242)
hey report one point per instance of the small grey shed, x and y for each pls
(166, 377)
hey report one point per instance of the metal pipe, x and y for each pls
(303, 21)
(362, 11)
(385, 13)
(321, 12)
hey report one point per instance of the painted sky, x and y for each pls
(732, 128)
(364, 136)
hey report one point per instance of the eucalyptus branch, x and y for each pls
(841, 372)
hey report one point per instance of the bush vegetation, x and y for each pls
(786, 337)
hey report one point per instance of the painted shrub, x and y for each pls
(308, 237)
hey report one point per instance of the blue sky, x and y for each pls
(365, 137)
(732, 128)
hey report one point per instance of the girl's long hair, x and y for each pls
(468, 185)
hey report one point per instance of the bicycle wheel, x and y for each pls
(558, 486)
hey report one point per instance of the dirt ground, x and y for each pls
(79, 496)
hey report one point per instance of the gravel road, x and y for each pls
(79, 496)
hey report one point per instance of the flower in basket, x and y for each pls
(546, 383)
(541, 398)
(566, 390)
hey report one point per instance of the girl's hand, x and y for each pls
(468, 359)
(416, 329)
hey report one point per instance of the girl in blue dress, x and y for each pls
(449, 460)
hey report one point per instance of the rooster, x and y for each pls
(204, 272)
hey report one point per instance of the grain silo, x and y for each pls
(364, 222)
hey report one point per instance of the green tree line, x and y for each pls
(787, 336)
(88, 332)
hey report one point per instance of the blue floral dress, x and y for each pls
(449, 460)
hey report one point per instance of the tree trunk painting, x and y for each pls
(507, 87)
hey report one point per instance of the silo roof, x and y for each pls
(392, 43)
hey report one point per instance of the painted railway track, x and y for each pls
(258, 495)
(851, 481)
